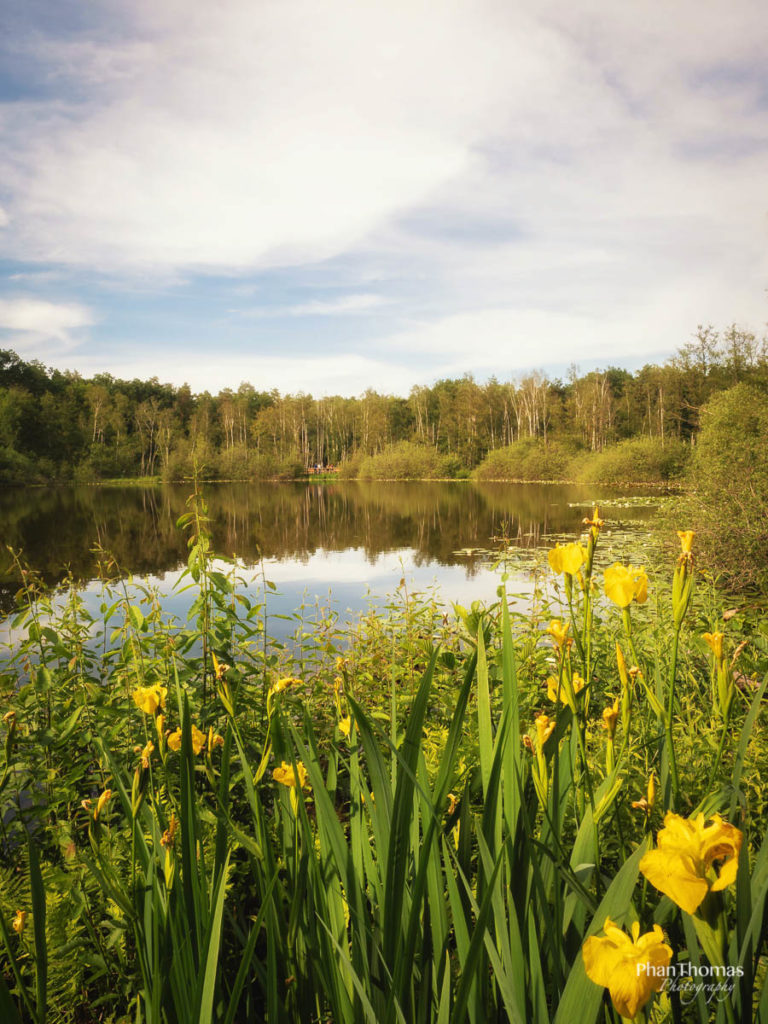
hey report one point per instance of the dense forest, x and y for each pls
(56, 425)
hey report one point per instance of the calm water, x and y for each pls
(352, 539)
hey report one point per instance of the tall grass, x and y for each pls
(389, 833)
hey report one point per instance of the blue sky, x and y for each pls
(327, 197)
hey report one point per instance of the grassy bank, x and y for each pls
(435, 818)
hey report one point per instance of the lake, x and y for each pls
(351, 540)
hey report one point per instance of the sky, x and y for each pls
(326, 197)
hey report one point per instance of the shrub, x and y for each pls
(16, 468)
(531, 459)
(350, 467)
(728, 504)
(406, 461)
(645, 460)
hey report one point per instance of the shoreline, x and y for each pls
(673, 486)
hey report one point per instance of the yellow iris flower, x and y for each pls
(646, 803)
(286, 775)
(198, 740)
(559, 632)
(283, 684)
(610, 717)
(150, 698)
(345, 724)
(544, 729)
(632, 967)
(220, 668)
(577, 683)
(686, 540)
(569, 558)
(595, 522)
(683, 864)
(625, 583)
(715, 642)
(101, 803)
(20, 921)
(214, 740)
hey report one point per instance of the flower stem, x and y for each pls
(670, 712)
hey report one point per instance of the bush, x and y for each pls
(406, 461)
(728, 503)
(531, 459)
(16, 468)
(237, 463)
(643, 460)
(349, 468)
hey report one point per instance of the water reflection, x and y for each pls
(57, 528)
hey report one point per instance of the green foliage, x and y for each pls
(432, 866)
(55, 425)
(530, 459)
(407, 461)
(640, 460)
(728, 505)
(235, 463)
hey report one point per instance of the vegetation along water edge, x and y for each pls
(544, 814)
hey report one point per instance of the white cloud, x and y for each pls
(618, 149)
(340, 306)
(34, 327)
(333, 374)
(239, 135)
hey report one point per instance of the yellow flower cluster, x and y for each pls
(683, 867)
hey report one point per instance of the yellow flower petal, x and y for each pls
(569, 558)
(544, 729)
(555, 559)
(198, 740)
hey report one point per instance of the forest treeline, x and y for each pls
(57, 425)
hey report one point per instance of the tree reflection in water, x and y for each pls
(57, 528)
